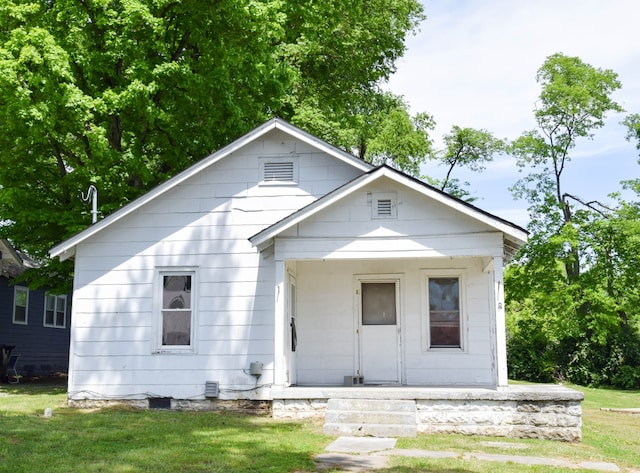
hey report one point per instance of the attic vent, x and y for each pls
(280, 171)
(384, 208)
(384, 205)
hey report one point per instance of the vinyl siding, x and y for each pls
(204, 223)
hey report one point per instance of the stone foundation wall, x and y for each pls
(294, 409)
(523, 419)
(522, 411)
(241, 405)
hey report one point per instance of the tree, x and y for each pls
(587, 330)
(573, 103)
(572, 303)
(465, 147)
(124, 94)
(378, 130)
(632, 122)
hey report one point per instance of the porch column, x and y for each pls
(279, 362)
(501, 334)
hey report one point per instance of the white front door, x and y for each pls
(379, 330)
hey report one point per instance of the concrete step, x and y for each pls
(370, 430)
(371, 417)
(395, 405)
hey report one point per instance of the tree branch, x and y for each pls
(594, 205)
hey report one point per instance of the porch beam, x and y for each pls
(432, 246)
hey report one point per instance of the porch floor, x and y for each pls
(513, 392)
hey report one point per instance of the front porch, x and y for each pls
(525, 411)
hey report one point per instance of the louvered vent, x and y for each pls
(211, 389)
(384, 208)
(281, 171)
(383, 204)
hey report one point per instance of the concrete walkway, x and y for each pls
(368, 454)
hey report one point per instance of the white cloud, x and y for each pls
(474, 64)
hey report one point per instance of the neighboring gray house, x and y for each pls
(281, 264)
(35, 322)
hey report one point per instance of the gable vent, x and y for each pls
(383, 204)
(278, 171)
(384, 208)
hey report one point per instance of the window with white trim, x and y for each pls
(278, 171)
(176, 310)
(55, 311)
(21, 305)
(443, 298)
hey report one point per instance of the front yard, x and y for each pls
(125, 440)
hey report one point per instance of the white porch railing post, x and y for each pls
(500, 321)
(279, 361)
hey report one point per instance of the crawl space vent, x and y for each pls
(211, 389)
(159, 403)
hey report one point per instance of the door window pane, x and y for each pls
(378, 303)
(444, 312)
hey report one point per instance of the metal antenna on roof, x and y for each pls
(92, 193)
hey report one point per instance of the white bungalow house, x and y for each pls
(283, 269)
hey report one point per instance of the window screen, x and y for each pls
(176, 309)
(378, 303)
(444, 312)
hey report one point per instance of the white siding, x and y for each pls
(203, 223)
(422, 229)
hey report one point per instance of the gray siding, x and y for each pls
(43, 350)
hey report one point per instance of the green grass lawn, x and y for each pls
(124, 440)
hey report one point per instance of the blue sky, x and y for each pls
(473, 64)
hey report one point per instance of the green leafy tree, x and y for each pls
(125, 93)
(574, 101)
(585, 330)
(632, 122)
(468, 148)
(379, 130)
(571, 300)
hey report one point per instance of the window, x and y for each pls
(444, 312)
(176, 310)
(278, 171)
(378, 303)
(20, 305)
(55, 311)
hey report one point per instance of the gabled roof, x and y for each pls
(66, 249)
(13, 262)
(515, 236)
